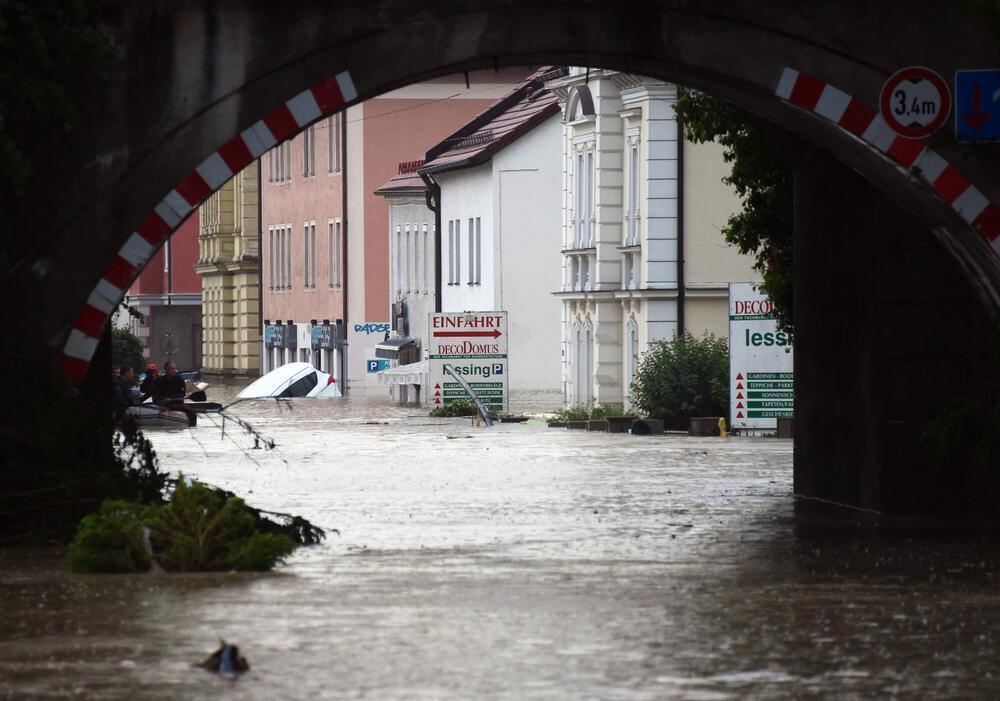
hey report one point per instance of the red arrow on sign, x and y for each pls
(495, 333)
(437, 386)
(739, 405)
(739, 395)
(739, 385)
(437, 400)
(977, 119)
(437, 394)
(739, 415)
(739, 376)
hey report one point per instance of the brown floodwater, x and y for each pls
(517, 562)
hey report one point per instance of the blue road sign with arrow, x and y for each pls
(977, 105)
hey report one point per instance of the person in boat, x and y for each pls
(121, 390)
(148, 386)
(170, 385)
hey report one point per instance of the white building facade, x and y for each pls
(643, 257)
(500, 252)
(496, 183)
(412, 252)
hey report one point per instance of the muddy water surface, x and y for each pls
(517, 562)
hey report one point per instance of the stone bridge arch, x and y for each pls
(198, 82)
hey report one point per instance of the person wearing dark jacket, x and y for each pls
(148, 386)
(121, 390)
(170, 385)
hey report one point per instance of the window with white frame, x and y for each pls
(272, 252)
(451, 250)
(286, 148)
(472, 251)
(279, 265)
(288, 256)
(333, 129)
(305, 256)
(631, 351)
(583, 197)
(309, 151)
(583, 361)
(479, 251)
(578, 198)
(458, 251)
(413, 251)
(284, 257)
(309, 255)
(279, 262)
(418, 259)
(429, 281)
(407, 258)
(333, 251)
(632, 207)
(397, 259)
(454, 251)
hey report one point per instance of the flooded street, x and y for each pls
(517, 562)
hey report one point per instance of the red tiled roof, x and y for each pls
(402, 183)
(498, 126)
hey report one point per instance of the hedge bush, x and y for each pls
(683, 377)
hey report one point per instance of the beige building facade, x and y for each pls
(644, 258)
(229, 266)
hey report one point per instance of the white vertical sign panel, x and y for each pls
(761, 386)
(475, 345)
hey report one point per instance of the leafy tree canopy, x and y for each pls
(763, 182)
(126, 349)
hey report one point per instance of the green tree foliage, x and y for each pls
(683, 377)
(110, 540)
(763, 182)
(199, 530)
(126, 349)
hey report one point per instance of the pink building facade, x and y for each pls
(303, 248)
(167, 294)
(325, 248)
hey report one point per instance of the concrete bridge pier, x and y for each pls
(888, 330)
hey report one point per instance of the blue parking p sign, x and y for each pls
(377, 364)
(977, 105)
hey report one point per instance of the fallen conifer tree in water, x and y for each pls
(200, 529)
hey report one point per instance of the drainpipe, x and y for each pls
(260, 267)
(344, 267)
(681, 284)
(433, 200)
(170, 271)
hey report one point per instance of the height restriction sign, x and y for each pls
(915, 102)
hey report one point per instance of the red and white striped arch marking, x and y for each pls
(862, 121)
(283, 122)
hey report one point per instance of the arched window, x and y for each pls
(631, 354)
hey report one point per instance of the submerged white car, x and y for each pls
(292, 380)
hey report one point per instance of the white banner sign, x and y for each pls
(475, 345)
(761, 386)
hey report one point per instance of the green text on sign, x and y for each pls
(770, 385)
(770, 414)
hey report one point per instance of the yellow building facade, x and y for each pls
(229, 266)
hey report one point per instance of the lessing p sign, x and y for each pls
(915, 102)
